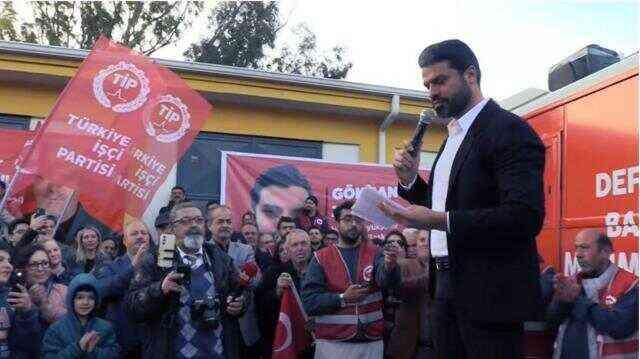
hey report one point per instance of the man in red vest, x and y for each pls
(342, 290)
(598, 309)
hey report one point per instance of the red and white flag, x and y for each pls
(113, 136)
(291, 337)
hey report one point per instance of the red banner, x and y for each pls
(274, 186)
(291, 337)
(11, 145)
(116, 131)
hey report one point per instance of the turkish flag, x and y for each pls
(291, 337)
(112, 137)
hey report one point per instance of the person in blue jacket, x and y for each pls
(80, 334)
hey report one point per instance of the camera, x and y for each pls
(206, 312)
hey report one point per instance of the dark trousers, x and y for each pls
(251, 351)
(455, 336)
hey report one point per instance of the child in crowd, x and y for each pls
(80, 334)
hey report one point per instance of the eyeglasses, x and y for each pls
(188, 220)
(39, 265)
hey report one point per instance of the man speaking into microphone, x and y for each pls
(484, 204)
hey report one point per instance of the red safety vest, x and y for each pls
(610, 348)
(343, 324)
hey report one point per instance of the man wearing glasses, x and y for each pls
(340, 291)
(194, 315)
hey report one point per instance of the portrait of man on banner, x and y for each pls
(279, 191)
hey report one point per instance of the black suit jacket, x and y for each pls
(495, 202)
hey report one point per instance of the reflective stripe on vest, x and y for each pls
(611, 348)
(344, 323)
(350, 319)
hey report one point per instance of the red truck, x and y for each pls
(591, 177)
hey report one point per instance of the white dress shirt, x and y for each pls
(457, 131)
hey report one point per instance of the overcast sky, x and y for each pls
(516, 42)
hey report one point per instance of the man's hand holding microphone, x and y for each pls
(405, 162)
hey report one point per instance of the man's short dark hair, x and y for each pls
(338, 210)
(604, 242)
(280, 176)
(458, 54)
(285, 219)
(313, 199)
(212, 202)
(180, 188)
(15, 223)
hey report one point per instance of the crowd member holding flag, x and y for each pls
(277, 279)
(292, 339)
(342, 289)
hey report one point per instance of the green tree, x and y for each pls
(145, 26)
(239, 33)
(242, 32)
(306, 59)
(8, 18)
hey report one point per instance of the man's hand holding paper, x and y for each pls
(415, 216)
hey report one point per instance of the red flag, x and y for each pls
(291, 337)
(11, 144)
(14, 145)
(113, 136)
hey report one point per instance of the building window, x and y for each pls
(339, 152)
(14, 122)
(427, 159)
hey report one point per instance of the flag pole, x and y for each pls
(9, 188)
(304, 312)
(40, 129)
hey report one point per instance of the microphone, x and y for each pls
(250, 271)
(427, 116)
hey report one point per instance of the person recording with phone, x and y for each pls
(342, 288)
(190, 308)
(19, 324)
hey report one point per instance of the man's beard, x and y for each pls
(456, 104)
(224, 236)
(350, 236)
(194, 239)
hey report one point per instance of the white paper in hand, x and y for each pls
(366, 207)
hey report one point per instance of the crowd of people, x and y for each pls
(105, 296)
